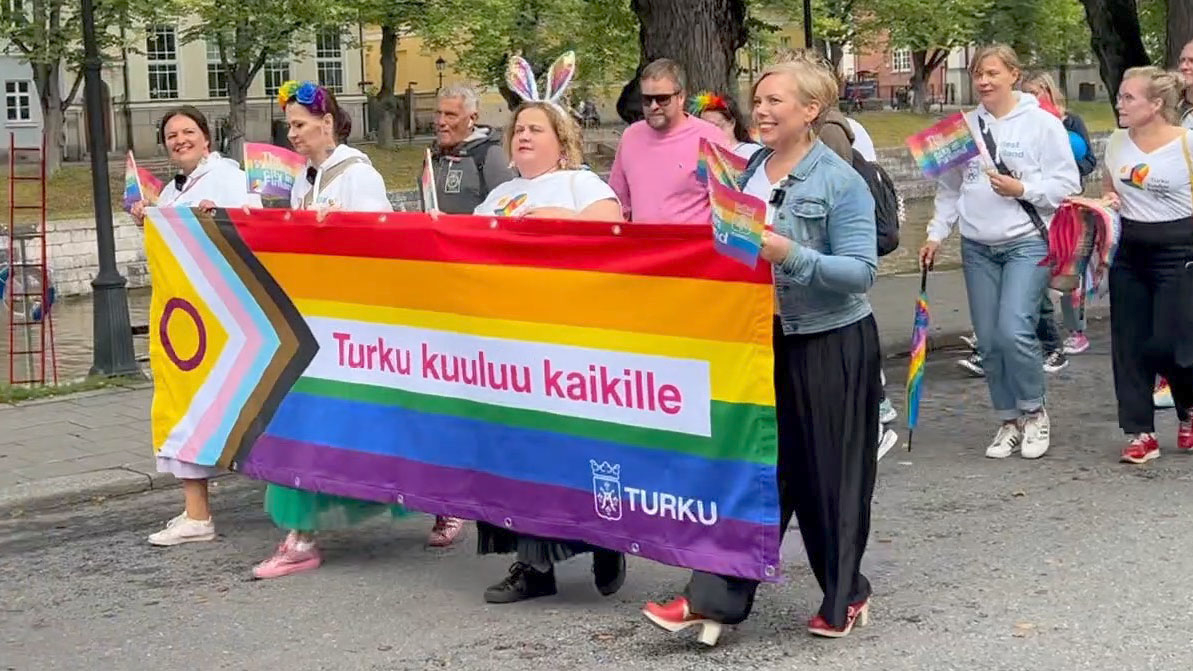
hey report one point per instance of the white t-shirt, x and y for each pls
(217, 179)
(862, 141)
(761, 187)
(1155, 186)
(570, 189)
(1187, 118)
(746, 149)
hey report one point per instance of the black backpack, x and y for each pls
(887, 209)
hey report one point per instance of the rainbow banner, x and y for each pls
(919, 354)
(947, 145)
(575, 380)
(271, 172)
(139, 184)
(738, 220)
(722, 165)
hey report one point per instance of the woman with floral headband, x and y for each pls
(338, 177)
(722, 111)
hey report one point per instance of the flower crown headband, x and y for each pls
(521, 80)
(707, 101)
(308, 94)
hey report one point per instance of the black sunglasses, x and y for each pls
(660, 99)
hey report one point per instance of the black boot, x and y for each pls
(522, 583)
(608, 571)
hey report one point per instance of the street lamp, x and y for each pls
(807, 24)
(113, 336)
(439, 65)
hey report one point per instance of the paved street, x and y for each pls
(1071, 562)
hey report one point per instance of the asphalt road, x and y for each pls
(1070, 562)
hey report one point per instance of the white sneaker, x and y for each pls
(1035, 434)
(183, 529)
(1005, 441)
(886, 440)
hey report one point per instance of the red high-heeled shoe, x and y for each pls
(858, 613)
(676, 615)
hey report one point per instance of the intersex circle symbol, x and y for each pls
(163, 330)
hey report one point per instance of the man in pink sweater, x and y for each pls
(654, 172)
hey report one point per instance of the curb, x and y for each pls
(69, 490)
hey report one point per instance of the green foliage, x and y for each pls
(924, 25)
(252, 32)
(835, 22)
(482, 33)
(1153, 28)
(50, 32)
(1045, 33)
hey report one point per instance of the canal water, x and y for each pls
(73, 315)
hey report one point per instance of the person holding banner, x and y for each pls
(827, 360)
(338, 178)
(205, 180)
(1003, 199)
(543, 142)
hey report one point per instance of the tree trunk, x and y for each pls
(923, 64)
(703, 36)
(1062, 79)
(1115, 38)
(238, 93)
(836, 52)
(49, 96)
(1180, 29)
(387, 105)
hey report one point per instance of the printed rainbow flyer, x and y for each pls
(574, 380)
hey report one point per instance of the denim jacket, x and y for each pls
(828, 211)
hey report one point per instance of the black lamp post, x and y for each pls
(807, 24)
(113, 336)
(439, 65)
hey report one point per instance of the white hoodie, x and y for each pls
(217, 179)
(359, 188)
(1035, 147)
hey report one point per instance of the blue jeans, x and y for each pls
(1004, 284)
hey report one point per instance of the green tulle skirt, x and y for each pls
(300, 510)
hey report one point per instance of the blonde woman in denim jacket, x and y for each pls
(827, 360)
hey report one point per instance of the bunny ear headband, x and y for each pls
(521, 79)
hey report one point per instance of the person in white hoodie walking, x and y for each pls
(338, 177)
(205, 180)
(1003, 201)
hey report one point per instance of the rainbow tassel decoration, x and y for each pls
(919, 353)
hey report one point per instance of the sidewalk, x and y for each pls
(66, 450)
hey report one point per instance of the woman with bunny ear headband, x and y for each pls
(544, 146)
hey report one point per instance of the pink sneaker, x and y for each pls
(445, 531)
(290, 558)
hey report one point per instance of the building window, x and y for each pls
(901, 60)
(217, 76)
(784, 41)
(329, 60)
(162, 54)
(17, 101)
(276, 74)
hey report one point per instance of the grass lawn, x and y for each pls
(399, 166)
(891, 129)
(11, 394)
(68, 193)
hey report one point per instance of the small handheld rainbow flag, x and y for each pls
(919, 352)
(271, 171)
(139, 184)
(946, 145)
(426, 184)
(723, 165)
(738, 220)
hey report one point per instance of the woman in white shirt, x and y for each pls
(1149, 169)
(205, 180)
(544, 146)
(338, 178)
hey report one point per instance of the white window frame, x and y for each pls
(18, 98)
(901, 60)
(163, 64)
(279, 72)
(217, 75)
(329, 59)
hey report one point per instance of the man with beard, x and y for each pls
(654, 172)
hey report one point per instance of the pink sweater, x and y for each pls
(654, 174)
